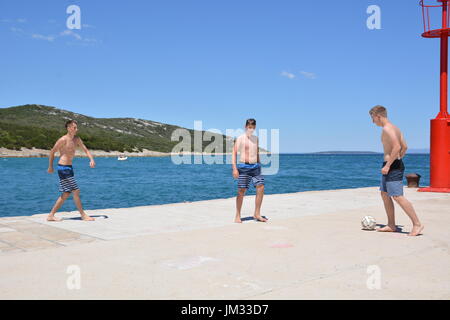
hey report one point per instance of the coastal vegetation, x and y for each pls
(40, 126)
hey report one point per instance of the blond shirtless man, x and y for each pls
(248, 170)
(392, 171)
(66, 146)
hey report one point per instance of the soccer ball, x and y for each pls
(368, 223)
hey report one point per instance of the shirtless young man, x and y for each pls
(248, 169)
(66, 146)
(395, 147)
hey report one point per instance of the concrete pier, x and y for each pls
(311, 248)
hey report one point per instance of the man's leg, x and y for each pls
(409, 210)
(77, 200)
(59, 202)
(239, 200)
(390, 211)
(258, 202)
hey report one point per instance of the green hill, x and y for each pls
(40, 126)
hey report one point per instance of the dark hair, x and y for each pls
(69, 122)
(250, 122)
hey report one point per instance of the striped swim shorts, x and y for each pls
(249, 173)
(392, 183)
(67, 181)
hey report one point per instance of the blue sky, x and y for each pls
(224, 61)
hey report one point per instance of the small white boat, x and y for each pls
(121, 158)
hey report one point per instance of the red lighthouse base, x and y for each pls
(439, 156)
(430, 189)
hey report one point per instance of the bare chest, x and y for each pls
(248, 144)
(68, 146)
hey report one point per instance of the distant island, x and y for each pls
(421, 151)
(346, 152)
(409, 151)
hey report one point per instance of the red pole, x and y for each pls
(444, 64)
(440, 126)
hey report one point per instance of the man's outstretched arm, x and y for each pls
(91, 158)
(234, 160)
(257, 150)
(51, 156)
(404, 146)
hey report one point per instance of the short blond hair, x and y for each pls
(378, 111)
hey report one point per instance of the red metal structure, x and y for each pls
(440, 126)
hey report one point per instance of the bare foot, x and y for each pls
(85, 217)
(416, 230)
(53, 218)
(238, 220)
(259, 218)
(387, 229)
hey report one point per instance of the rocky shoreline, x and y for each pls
(42, 153)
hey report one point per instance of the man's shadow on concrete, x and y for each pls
(399, 228)
(95, 217)
(250, 218)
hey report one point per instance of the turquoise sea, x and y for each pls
(26, 188)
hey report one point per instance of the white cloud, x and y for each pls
(16, 30)
(309, 75)
(71, 34)
(18, 20)
(288, 75)
(38, 36)
(90, 40)
(80, 39)
(66, 33)
(52, 37)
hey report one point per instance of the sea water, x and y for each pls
(26, 188)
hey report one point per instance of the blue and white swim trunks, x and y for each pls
(67, 181)
(249, 172)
